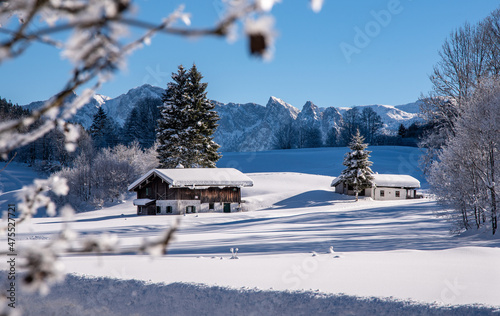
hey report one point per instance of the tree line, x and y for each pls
(139, 126)
(305, 135)
(48, 153)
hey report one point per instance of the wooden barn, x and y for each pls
(189, 190)
(385, 187)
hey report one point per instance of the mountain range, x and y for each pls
(249, 126)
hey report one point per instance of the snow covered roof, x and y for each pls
(143, 202)
(396, 181)
(389, 180)
(197, 177)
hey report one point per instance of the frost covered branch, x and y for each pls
(96, 48)
(35, 196)
(91, 35)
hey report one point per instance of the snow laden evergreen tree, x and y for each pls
(172, 133)
(358, 173)
(205, 149)
(187, 123)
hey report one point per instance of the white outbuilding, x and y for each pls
(385, 187)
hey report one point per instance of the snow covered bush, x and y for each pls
(105, 177)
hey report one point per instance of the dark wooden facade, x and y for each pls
(156, 189)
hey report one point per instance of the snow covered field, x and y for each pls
(392, 250)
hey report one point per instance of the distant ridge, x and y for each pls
(249, 126)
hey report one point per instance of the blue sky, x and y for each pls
(391, 65)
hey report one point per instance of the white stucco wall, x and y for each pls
(389, 193)
(374, 192)
(179, 207)
(339, 188)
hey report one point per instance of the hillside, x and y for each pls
(390, 250)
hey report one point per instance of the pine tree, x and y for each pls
(103, 130)
(132, 127)
(402, 131)
(205, 149)
(171, 122)
(358, 173)
(187, 123)
(148, 115)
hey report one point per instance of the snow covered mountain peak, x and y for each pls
(274, 100)
(311, 110)
(277, 105)
(101, 99)
(119, 107)
(249, 126)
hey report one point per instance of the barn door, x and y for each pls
(227, 207)
(152, 209)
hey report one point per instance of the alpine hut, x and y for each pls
(189, 190)
(385, 187)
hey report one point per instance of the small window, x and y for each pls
(169, 209)
(211, 206)
(158, 209)
(147, 191)
(397, 193)
(190, 209)
(382, 193)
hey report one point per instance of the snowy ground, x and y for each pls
(12, 179)
(386, 249)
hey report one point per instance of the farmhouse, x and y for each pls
(385, 187)
(189, 190)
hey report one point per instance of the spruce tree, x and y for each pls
(170, 133)
(204, 148)
(96, 130)
(103, 130)
(358, 173)
(132, 127)
(187, 123)
(402, 131)
(148, 115)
